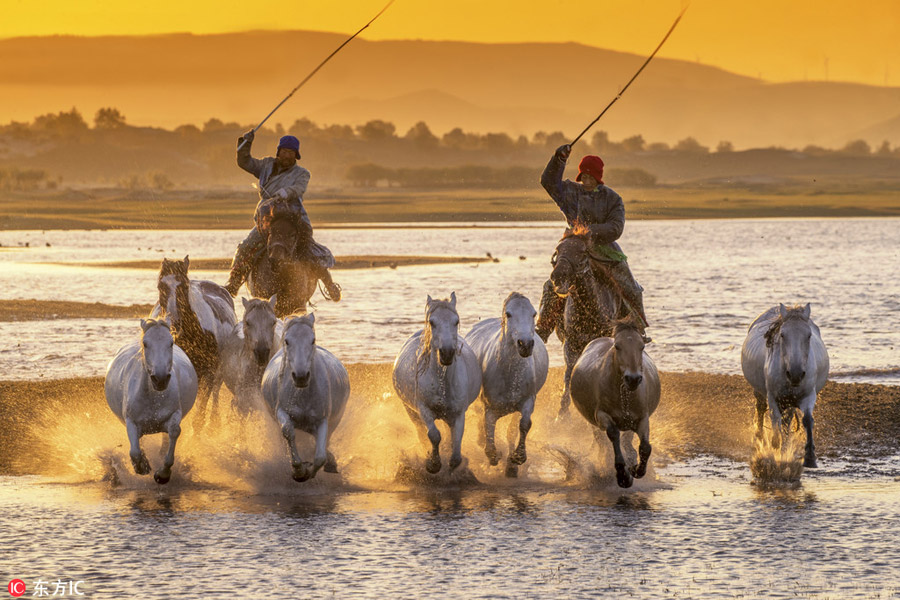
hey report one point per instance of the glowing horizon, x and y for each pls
(805, 40)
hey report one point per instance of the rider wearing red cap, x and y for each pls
(592, 204)
(281, 179)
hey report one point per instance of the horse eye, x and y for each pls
(314, 340)
(431, 322)
(508, 316)
(287, 343)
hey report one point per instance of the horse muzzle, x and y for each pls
(261, 355)
(795, 377)
(160, 382)
(300, 381)
(525, 347)
(632, 380)
(446, 356)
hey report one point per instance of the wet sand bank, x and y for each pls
(700, 413)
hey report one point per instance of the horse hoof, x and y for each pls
(302, 473)
(141, 466)
(330, 468)
(638, 471)
(623, 478)
(810, 463)
(455, 462)
(433, 466)
(161, 479)
(493, 458)
(512, 471)
(518, 457)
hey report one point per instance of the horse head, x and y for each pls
(517, 322)
(277, 222)
(629, 352)
(174, 289)
(790, 335)
(299, 347)
(259, 328)
(157, 347)
(571, 262)
(442, 329)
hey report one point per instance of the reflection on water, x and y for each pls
(695, 537)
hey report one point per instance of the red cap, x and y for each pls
(593, 166)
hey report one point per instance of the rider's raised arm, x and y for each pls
(552, 181)
(245, 160)
(612, 226)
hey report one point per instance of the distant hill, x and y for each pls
(169, 80)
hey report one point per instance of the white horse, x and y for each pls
(202, 318)
(150, 386)
(306, 387)
(615, 386)
(437, 376)
(786, 363)
(514, 365)
(253, 341)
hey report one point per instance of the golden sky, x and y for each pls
(777, 40)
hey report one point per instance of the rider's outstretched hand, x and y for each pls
(563, 152)
(247, 137)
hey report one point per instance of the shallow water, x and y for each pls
(705, 282)
(695, 535)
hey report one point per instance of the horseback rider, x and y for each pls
(593, 205)
(281, 180)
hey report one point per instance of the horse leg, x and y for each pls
(300, 470)
(519, 456)
(643, 431)
(330, 462)
(321, 455)
(809, 460)
(623, 477)
(174, 430)
(203, 392)
(138, 460)
(433, 463)
(457, 428)
(490, 425)
(761, 406)
(571, 359)
(776, 418)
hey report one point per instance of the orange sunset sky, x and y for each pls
(777, 40)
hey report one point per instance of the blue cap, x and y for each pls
(291, 143)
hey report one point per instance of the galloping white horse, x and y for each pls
(786, 363)
(514, 365)
(437, 376)
(615, 386)
(253, 341)
(306, 387)
(150, 386)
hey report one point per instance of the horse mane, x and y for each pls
(426, 330)
(628, 323)
(793, 313)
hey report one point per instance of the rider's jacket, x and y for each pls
(602, 211)
(294, 180)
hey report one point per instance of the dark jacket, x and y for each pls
(601, 211)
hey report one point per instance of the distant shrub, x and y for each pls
(630, 177)
(13, 179)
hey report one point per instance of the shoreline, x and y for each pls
(700, 413)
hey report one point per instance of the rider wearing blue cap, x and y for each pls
(281, 179)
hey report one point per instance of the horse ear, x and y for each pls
(806, 311)
(244, 302)
(168, 321)
(453, 299)
(311, 318)
(782, 310)
(187, 262)
(273, 300)
(145, 324)
(429, 300)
